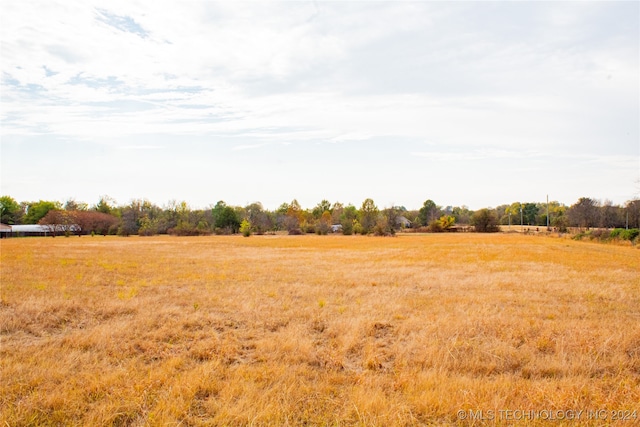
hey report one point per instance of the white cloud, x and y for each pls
(490, 81)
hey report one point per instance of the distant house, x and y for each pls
(4, 230)
(335, 228)
(403, 222)
(34, 230)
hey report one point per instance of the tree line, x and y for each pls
(144, 218)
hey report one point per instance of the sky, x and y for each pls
(464, 103)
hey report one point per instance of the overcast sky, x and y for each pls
(464, 103)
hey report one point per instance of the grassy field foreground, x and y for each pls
(335, 330)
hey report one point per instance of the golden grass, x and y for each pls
(316, 330)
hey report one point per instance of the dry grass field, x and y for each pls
(319, 330)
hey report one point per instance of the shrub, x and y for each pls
(446, 222)
(347, 227)
(485, 221)
(186, 229)
(599, 234)
(383, 227)
(561, 223)
(631, 234)
(621, 233)
(580, 236)
(245, 228)
(435, 226)
(322, 228)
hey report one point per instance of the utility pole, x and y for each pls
(521, 222)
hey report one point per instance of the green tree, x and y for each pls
(368, 215)
(10, 210)
(321, 208)
(37, 210)
(148, 226)
(462, 214)
(72, 205)
(227, 219)
(347, 218)
(105, 205)
(428, 213)
(529, 213)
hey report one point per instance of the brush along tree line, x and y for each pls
(145, 218)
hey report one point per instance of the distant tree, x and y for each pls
(128, 222)
(294, 217)
(217, 210)
(37, 210)
(336, 211)
(383, 227)
(168, 217)
(148, 226)
(462, 214)
(347, 218)
(485, 221)
(321, 208)
(186, 221)
(428, 212)
(323, 226)
(557, 216)
(502, 212)
(139, 217)
(59, 221)
(105, 205)
(72, 205)
(561, 222)
(282, 209)
(412, 216)
(392, 216)
(632, 213)
(609, 215)
(368, 215)
(261, 221)
(308, 222)
(584, 213)
(10, 211)
(529, 213)
(226, 218)
(93, 222)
